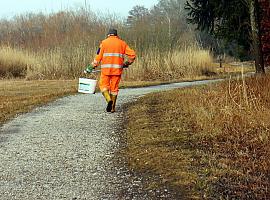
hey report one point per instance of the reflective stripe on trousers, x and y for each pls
(115, 66)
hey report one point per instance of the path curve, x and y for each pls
(66, 150)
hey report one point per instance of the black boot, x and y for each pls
(108, 100)
(113, 97)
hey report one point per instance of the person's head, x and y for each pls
(112, 32)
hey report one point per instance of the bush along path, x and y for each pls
(69, 149)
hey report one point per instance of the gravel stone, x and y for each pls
(68, 150)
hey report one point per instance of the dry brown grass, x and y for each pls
(182, 63)
(55, 63)
(18, 96)
(69, 62)
(59, 63)
(14, 62)
(211, 141)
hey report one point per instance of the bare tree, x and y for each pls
(256, 35)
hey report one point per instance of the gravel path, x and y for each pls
(67, 150)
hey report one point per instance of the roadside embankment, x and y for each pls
(209, 141)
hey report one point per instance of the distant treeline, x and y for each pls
(163, 26)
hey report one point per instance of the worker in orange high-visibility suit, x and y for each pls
(110, 57)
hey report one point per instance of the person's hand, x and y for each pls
(94, 65)
(88, 69)
(126, 64)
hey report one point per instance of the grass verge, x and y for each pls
(209, 142)
(19, 96)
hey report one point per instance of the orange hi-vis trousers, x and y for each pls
(110, 83)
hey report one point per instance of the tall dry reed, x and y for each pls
(175, 64)
(14, 62)
(69, 62)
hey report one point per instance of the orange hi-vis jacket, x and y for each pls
(111, 55)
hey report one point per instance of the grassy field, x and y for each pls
(209, 142)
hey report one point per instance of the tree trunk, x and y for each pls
(256, 36)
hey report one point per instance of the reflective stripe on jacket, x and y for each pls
(111, 55)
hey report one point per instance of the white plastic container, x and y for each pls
(87, 86)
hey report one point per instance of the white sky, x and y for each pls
(9, 8)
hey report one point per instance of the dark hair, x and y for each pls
(112, 32)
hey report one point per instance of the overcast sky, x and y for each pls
(9, 8)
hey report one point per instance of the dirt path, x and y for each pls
(67, 150)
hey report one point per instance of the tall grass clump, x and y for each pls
(230, 129)
(210, 141)
(67, 62)
(240, 117)
(14, 62)
(55, 63)
(175, 64)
